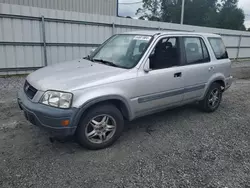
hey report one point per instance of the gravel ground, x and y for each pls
(178, 148)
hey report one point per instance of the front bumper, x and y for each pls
(47, 117)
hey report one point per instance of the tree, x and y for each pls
(171, 11)
(197, 12)
(200, 12)
(230, 16)
(210, 13)
(151, 10)
(248, 29)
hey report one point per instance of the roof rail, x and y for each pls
(156, 34)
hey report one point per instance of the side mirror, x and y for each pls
(146, 67)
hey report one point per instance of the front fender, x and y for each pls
(94, 101)
(83, 99)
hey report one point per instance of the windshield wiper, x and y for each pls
(88, 58)
(106, 62)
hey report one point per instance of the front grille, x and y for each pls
(29, 90)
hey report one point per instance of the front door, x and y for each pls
(163, 85)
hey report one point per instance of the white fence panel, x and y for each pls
(231, 40)
(21, 56)
(245, 42)
(244, 53)
(17, 30)
(71, 35)
(61, 54)
(232, 52)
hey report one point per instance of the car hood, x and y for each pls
(73, 75)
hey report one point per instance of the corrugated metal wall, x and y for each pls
(71, 35)
(103, 7)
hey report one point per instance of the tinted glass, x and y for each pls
(196, 51)
(193, 50)
(165, 54)
(218, 48)
(170, 40)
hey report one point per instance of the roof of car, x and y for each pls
(144, 32)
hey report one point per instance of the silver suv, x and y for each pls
(128, 76)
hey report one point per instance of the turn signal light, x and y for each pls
(65, 123)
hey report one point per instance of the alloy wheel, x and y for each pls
(214, 98)
(100, 129)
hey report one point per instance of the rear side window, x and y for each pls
(196, 51)
(218, 48)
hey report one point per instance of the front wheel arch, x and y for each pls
(85, 127)
(120, 105)
(117, 101)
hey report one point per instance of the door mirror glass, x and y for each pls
(147, 66)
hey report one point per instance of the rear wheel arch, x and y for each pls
(218, 78)
(215, 97)
(221, 83)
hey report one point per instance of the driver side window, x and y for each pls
(165, 54)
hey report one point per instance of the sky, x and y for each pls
(130, 9)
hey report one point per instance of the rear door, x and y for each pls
(198, 67)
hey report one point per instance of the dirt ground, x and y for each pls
(178, 148)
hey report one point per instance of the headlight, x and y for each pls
(57, 99)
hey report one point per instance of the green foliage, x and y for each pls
(151, 10)
(231, 17)
(210, 13)
(171, 11)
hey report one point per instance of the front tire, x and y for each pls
(101, 127)
(213, 98)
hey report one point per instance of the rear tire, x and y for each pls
(100, 127)
(213, 98)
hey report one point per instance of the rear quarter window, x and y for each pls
(218, 48)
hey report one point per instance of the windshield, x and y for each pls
(123, 51)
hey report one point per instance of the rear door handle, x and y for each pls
(178, 74)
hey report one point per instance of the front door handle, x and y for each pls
(178, 74)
